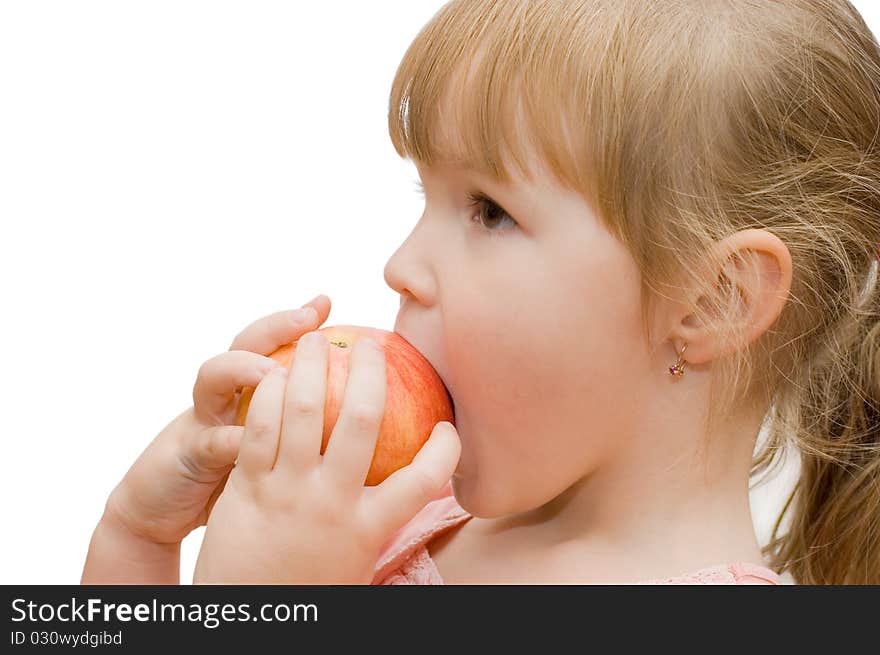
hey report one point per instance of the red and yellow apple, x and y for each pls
(416, 398)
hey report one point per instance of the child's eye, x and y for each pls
(489, 212)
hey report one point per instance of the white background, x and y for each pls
(169, 172)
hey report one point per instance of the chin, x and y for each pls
(479, 501)
(471, 485)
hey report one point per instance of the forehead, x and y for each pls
(454, 162)
(470, 130)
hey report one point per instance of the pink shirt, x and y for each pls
(405, 559)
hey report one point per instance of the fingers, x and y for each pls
(304, 402)
(211, 451)
(263, 425)
(219, 377)
(267, 334)
(406, 491)
(349, 452)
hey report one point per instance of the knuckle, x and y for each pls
(262, 427)
(365, 416)
(261, 493)
(326, 507)
(302, 407)
(208, 367)
(284, 321)
(422, 483)
(216, 444)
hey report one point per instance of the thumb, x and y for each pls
(406, 491)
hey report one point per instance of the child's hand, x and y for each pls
(170, 489)
(289, 515)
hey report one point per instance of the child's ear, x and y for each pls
(750, 273)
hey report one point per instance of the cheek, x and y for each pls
(539, 403)
(528, 409)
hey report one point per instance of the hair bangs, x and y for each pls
(482, 87)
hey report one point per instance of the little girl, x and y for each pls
(650, 230)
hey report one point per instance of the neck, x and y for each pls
(661, 504)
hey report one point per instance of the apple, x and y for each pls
(415, 401)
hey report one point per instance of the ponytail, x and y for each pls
(833, 415)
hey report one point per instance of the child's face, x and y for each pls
(535, 329)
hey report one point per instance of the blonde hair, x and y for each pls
(682, 122)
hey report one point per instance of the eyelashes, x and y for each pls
(486, 204)
(487, 210)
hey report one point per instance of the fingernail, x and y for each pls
(313, 299)
(280, 371)
(304, 315)
(313, 338)
(269, 366)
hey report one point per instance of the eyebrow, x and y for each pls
(480, 181)
(515, 215)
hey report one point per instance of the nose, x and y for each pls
(408, 271)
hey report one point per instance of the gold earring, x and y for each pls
(677, 369)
